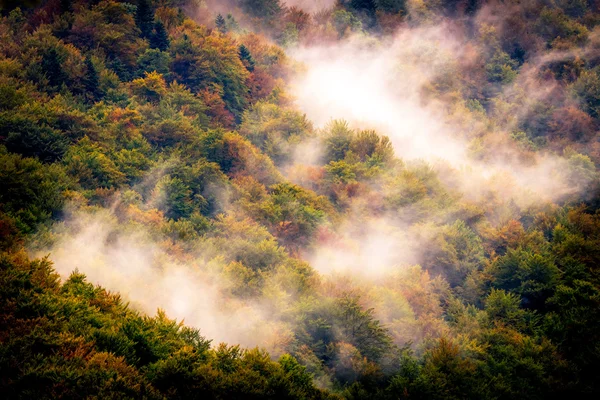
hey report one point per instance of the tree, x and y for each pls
(151, 87)
(174, 197)
(53, 70)
(360, 328)
(160, 38)
(231, 25)
(144, 16)
(366, 9)
(153, 60)
(530, 275)
(246, 58)
(31, 192)
(344, 21)
(338, 137)
(274, 130)
(220, 23)
(267, 9)
(587, 90)
(91, 81)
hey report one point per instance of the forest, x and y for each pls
(299, 199)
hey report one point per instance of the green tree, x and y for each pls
(174, 197)
(144, 17)
(246, 58)
(530, 275)
(32, 193)
(153, 60)
(91, 82)
(220, 23)
(268, 9)
(160, 38)
(587, 90)
(345, 21)
(337, 137)
(52, 66)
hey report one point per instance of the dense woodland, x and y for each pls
(175, 119)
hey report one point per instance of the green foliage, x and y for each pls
(559, 30)
(345, 22)
(275, 130)
(293, 213)
(144, 16)
(160, 38)
(501, 68)
(220, 23)
(338, 137)
(53, 69)
(32, 193)
(93, 168)
(531, 276)
(77, 339)
(391, 6)
(205, 60)
(153, 60)
(587, 90)
(174, 197)
(268, 9)
(91, 81)
(459, 253)
(246, 58)
(189, 135)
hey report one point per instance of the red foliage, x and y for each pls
(261, 84)
(216, 110)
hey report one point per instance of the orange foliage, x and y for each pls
(218, 113)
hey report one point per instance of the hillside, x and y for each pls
(357, 199)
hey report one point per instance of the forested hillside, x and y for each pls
(358, 199)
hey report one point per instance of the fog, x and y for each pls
(127, 259)
(373, 84)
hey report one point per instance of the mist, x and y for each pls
(378, 84)
(126, 258)
(382, 85)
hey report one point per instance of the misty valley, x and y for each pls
(299, 199)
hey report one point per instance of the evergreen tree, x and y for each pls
(267, 9)
(160, 38)
(91, 81)
(120, 69)
(246, 58)
(52, 67)
(220, 23)
(144, 17)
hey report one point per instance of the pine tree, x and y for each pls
(91, 82)
(120, 69)
(220, 23)
(160, 38)
(246, 58)
(144, 17)
(52, 67)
